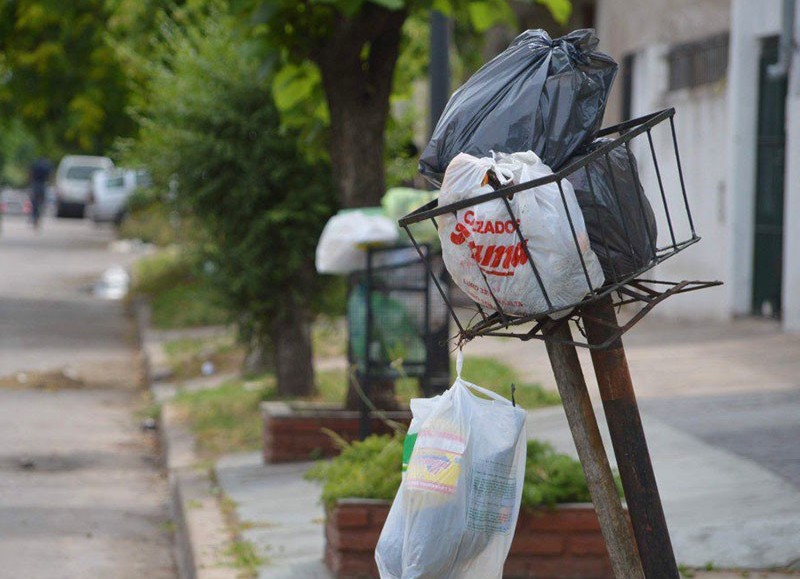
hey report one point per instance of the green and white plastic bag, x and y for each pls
(456, 510)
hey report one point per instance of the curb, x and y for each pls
(201, 533)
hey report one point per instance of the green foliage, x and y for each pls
(180, 296)
(224, 419)
(59, 75)
(561, 10)
(552, 478)
(18, 149)
(371, 470)
(368, 469)
(212, 125)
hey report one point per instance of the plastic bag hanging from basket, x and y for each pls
(455, 513)
(540, 94)
(517, 256)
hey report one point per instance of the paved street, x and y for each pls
(80, 492)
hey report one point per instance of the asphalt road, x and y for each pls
(81, 495)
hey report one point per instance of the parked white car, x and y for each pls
(109, 192)
(73, 180)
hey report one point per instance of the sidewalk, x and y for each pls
(720, 407)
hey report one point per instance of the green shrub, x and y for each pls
(371, 470)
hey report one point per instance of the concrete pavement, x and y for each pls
(81, 495)
(721, 411)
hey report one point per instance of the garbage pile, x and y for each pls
(401, 318)
(533, 110)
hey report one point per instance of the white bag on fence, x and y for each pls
(480, 245)
(455, 513)
(341, 246)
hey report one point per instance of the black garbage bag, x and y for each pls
(619, 219)
(543, 95)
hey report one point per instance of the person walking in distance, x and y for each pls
(39, 175)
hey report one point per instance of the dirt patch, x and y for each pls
(49, 380)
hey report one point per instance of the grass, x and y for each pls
(187, 355)
(179, 297)
(241, 553)
(228, 419)
(498, 377)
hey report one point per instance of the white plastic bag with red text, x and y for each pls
(482, 249)
(455, 513)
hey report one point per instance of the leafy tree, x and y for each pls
(210, 123)
(350, 48)
(59, 75)
(347, 50)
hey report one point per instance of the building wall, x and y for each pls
(633, 26)
(791, 255)
(647, 30)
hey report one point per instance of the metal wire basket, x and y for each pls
(397, 321)
(671, 210)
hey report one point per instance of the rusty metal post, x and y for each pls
(630, 446)
(583, 424)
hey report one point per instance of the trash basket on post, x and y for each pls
(630, 233)
(397, 323)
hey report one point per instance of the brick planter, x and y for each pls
(564, 543)
(293, 431)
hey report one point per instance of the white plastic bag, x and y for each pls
(455, 513)
(480, 245)
(341, 246)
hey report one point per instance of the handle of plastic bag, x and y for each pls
(485, 391)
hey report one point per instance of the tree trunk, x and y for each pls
(290, 335)
(357, 63)
(293, 356)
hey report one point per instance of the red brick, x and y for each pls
(587, 544)
(299, 424)
(348, 516)
(358, 567)
(360, 540)
(538, 544)
(378, 515)
(562, 520)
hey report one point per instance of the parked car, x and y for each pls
(73, 180)
(15, 202)
(109, 192)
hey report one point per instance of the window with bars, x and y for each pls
(697, 63)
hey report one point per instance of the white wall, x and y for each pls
(791, 250)
(701, 127)
(633, 26)
(647, 28)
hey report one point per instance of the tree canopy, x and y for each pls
(59, 76)
(212, 126)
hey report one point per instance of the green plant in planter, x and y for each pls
(370, 469)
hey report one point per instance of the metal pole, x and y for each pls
(630, 446)
(439, 65)
(364, 425)
(583, 424)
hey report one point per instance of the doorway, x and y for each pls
(770, 161)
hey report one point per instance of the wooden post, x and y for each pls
(583, 424)
(630, 446)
